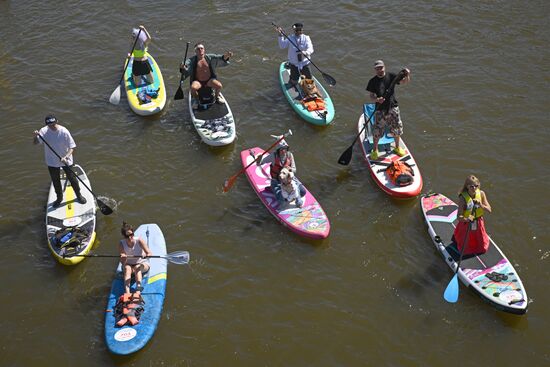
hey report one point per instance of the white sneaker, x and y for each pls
(220, 99)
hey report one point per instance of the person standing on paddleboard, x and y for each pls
(201, 69)
(133, 252)
(60, 140)
(296, 60)
(141, 65)
(471, 206)
(387, 109)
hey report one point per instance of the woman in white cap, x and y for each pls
(141, 65)
(296, 60)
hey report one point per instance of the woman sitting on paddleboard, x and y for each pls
(280, 159)
(471, 206)
(133, 252)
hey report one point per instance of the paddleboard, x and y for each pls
(214, 122)
(129, 339)
(61, 221)
(309, 221)
(377, 167)
(490, 275)
(294, 96)
(153, 105)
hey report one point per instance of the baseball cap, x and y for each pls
(50, 119)
(378, 63)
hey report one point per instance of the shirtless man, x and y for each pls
(201, 69)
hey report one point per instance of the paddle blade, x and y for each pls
(115, 96)
(106, 210)
(178, 257)
(179, 94)
(451, 292)
(345, 158)
(228, 184)
(330, 80)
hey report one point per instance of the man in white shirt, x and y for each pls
(61, 141)
(298, 63)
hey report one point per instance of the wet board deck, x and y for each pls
(214, 123)
(377, 168)
(71, 214)
(309, 221)
(129, 339)
(156, 104)
(490, 275)
(294, 96)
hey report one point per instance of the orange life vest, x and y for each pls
(314, 103)
(277, 165)
(400, 173)
(129, 309)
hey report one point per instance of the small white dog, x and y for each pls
(289, 188)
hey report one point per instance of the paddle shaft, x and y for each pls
(179, 92)
(131, 51)
(229, 182)
(297, 48)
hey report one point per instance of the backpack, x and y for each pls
(400, 173)
(69, 237)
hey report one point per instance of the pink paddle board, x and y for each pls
(309, 221)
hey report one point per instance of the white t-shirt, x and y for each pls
(61, 141)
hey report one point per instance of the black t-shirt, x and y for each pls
(378, 86)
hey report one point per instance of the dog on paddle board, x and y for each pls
(289, 188)
(309, 88)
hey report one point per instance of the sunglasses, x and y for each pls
(128, 235)
(473, 186)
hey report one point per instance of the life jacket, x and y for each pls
(470, 204)
(400, 173)
(314, 103)
(277, 165)
(128, 308)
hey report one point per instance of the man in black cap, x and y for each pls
(61, 141)
(387, 109)
(298, 63)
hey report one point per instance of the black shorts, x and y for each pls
(141, 67)
(295, 74)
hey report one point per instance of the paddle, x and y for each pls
(115, 96)
(102, 206)
(329, 79)
(231, 180)
(177, 257)
(451, 292)
(179, 92)
(345, 158)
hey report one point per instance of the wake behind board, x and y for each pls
(294, 96)
(139, 97)
(309, 221)
(70, 228)
(377, 168)
(214, 122)
(490, 275)
(129, 339)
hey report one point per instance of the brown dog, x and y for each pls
(309, 88)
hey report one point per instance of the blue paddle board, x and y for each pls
(129, 339)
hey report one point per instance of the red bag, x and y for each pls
(400, 173)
